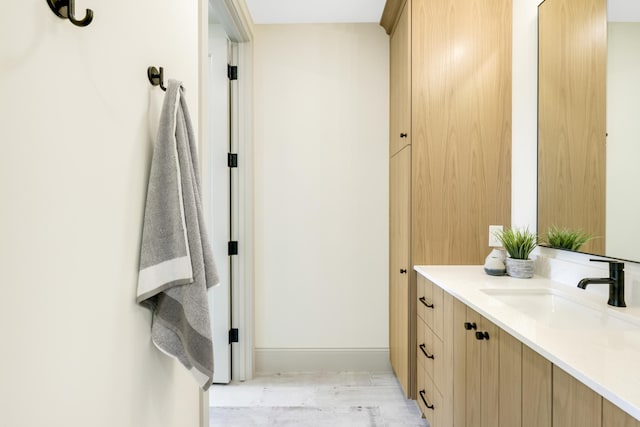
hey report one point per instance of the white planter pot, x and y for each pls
(519, 268)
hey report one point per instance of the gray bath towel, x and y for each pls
(176, 261)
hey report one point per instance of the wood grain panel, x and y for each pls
(461, 127)
(400, 295)
(400, 83)
(536, 389)
(572, 117)
(483, 374)
(511, 385)
(612, 416)
(427, 292)
(438, 311)
(421, 339)
(459, 373)
(422, 387)
(473, 384)
(448, 356)
(490, 374)
(574, 404)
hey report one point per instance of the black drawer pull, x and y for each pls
(482, 335)
(403, 135)
(422, 393)
(424, 351)
(403, 271)
(469, 326)
(424, 301)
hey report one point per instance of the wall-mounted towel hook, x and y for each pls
(66, 9)
(156, 77)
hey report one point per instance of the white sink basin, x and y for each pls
(559, 310)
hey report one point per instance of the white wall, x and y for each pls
(623, 149)
(524, 164)
(78, 118)
(321, 178)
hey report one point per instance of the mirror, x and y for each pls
(589, 123)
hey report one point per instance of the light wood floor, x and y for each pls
(349, 399)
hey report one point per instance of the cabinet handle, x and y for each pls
(482, 335)
(422, 393)
(424, 301)
(469, 326)
(424, 351)
(403, 271)
(403, 135)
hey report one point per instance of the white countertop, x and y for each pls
(605, 358)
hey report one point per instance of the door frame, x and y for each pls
(235, 19)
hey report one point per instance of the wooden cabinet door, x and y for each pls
(494, 382)
(612, 416)
(574, 404)
(511, 382)
(483, 376)
(536, 389)
(400, 83)
(459, 334)
(400, 298)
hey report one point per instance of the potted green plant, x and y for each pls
(518, 243)
(564, 238)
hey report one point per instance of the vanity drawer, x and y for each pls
(431, 305)
(425, 296)
(433, 356)
(430, 401)
(422, 387)
(420, 341)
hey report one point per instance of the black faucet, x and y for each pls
(615, 282)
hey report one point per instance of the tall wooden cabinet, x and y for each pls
(450, 113)
(399, 267)
(401, 310)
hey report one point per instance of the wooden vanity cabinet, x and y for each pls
(493, 381)
(612, 416)
(434, 353)
(466, 362)
(472, 373)
(536, 389)
(483, 376)
(574, 404)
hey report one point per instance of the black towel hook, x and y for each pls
(66, 9)
(156, 77)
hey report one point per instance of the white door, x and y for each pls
(220, 196)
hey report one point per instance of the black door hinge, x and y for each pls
(232, 72)
(233, 335)
(232, 160)
(233, 248)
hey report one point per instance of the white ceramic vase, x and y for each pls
(494, 263)
(519, 268)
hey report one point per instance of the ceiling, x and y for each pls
(324, 11)
(623, 10)
(314, 11)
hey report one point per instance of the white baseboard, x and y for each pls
(274, 360)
